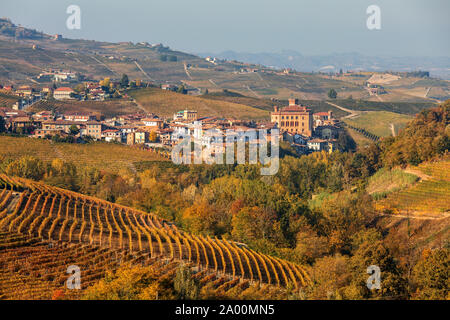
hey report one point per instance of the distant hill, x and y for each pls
(438, 66)
(25, 53)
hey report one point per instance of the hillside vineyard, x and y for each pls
(35, 213)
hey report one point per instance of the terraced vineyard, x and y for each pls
(430, 195)
(49, 228)
(101, 155)
(7, 100)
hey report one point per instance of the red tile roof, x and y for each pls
(62, 89)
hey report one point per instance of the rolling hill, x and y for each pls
(54, 228)
(166, 103)
(24, 57)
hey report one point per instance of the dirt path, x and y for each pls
(418, 173)
(415, 216)
(248, 88)
(263, 81)
(103, 64)
(352, 114)
(142, 70)
(214, 84)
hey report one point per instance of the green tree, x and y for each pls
(74, 130)
(124, 81)
(332, 94)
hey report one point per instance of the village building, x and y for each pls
(24, 91)
(293, 118)
(43, 116)
(78, 116)
(94, 129)
(60, 125)
(130, 138)
(317, 144)
(43, 133)
(153, 122)
(22, 122)
(320, 118)
(140, 137)
(188, 115)
(327, 132)
(63, 93)
(112, 135)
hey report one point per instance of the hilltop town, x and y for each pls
(305, 130)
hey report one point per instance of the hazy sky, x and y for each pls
(408, 27)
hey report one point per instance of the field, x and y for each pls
(103, 156)
(430, 195)
(380, 122)
(165, 103)
(386, 181)
(51, 228)
(408, 108)
(99, 108)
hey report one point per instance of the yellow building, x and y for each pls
(294, 118)
(185, 115)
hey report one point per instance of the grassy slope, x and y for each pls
(386, 181)
(166, 103)
(104, 156)
(430, 195)
(378, 122)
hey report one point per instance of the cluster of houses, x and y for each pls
(57, 76)
(28, 95)
(305, 131)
